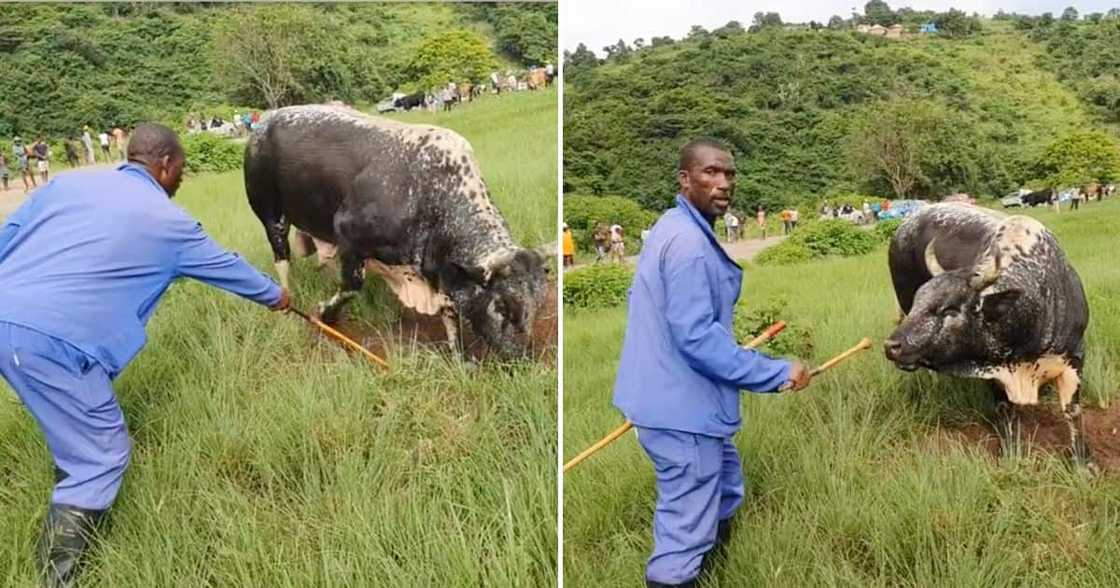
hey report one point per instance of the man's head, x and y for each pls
(706, 174)
(157, 148)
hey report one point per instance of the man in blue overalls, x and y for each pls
(83, 264)
(681, 370)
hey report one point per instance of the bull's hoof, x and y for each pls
(1082, 460)
(329, 314)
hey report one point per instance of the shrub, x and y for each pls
(599, 286)
(211, 153)
(885, 229)
(794, 341)
(816, 240)
(582, 213)
(787, 252)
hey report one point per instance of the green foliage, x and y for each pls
(119, 64)
(1086, 56)
(885, 229)
(752, 318)
(598, 286)
(207, 152)
(1080, 158)
(453, 56)
(583, 213)
(817, 240)
(527, 32)
(957, 24)
(791, 103)
(914, 147)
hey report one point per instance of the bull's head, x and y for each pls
(958, 318)
(503, 309)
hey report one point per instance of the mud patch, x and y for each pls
(1045, 431)
(415, 329)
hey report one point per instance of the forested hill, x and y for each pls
(120, 63)
(982, 108)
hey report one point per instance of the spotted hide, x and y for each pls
(407, 199)
(990, 296)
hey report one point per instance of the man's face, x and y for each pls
(709, 181)
(170, 174)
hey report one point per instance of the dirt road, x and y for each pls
(13, 197)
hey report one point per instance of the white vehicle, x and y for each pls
(1012, 200)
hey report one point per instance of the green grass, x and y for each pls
(266, 456)
(849, 482)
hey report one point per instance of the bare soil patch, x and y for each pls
(1045, 431)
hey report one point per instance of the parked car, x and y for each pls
(901, 208)
(389, 104)
(1012, 200)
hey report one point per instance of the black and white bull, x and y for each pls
(989, 296)
(406, 201)
(409, 102)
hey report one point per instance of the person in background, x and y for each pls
(760, 218)
(794, 216)
(42, 153)
(22, 156)
(87, 143)
(103, 138)
(569, 247)
(71, 151)
(618, 245)
(4, 171)
(785, 221)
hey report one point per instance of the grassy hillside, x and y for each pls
(266, 456)
(871, 476)
(109, 64)
(792, 103)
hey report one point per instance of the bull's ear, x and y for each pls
(470, 273)
(998, 304)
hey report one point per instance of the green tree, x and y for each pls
(270, 52)
(878, 12)
(1069, 14)
(916, 146)
(453, 56)
(1079, 158)
(765, 20)
(956, 24)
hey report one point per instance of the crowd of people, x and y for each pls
(33, 160)
(241, 124)
(446, 97)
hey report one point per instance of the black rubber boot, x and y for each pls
(67, 534)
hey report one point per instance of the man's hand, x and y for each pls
(284, 302)
(798, 377)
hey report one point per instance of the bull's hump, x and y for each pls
(320, 114)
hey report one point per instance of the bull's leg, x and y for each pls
(1069, 395)
(277, 231)
(352, 276)
(451, 326)
(1009, 427)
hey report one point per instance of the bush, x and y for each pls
(794, 341)
(828, 237)
(885, 229)
(211, 153)
(787, 252)
(599, 286)
(582, 213)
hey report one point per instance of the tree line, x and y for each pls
(817, 112)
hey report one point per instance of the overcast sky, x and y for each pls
(597, 23)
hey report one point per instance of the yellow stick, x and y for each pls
(865, 343)
(769, 333)
(343, 338)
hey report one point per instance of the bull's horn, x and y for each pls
(932, 265)
(986, 271)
